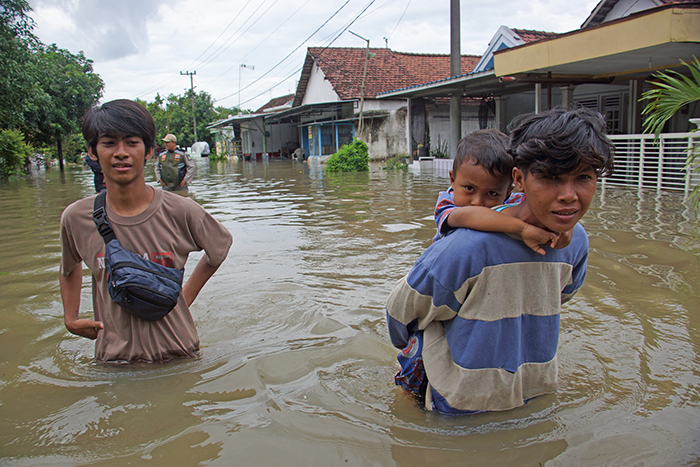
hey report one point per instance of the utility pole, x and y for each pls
(364, 78)
(194, 119)
(455, 70)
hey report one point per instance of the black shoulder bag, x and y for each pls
(145, 289)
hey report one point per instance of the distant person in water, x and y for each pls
(477, 317)
(159, 226)
(174, 167)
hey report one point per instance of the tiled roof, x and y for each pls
(386, 70)
(276, 102)
(529, 36)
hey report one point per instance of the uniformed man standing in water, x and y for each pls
(174, 167)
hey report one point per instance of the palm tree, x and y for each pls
(672, 91)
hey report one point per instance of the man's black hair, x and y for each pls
(487, 149)
(559, 141)
(122, 118)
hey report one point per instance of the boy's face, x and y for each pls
(122, 158)
(556, 203)
(473, 185)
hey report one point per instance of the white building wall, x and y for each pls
(627, 7)
(319, 89)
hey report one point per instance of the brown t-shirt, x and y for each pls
(166, 232)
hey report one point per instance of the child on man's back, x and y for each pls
(481, 178)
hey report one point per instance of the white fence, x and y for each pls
(644, 162)
(640, 161)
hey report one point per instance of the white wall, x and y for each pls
(627, 7)
(319, 89)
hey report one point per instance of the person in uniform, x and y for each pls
(174, 168)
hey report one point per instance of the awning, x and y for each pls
(631, 47)
(310, 110)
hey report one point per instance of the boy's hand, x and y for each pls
(534, 237)
(84, 327)
(564, 239)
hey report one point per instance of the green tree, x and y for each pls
(17, 71)
(14, 153)
(673, 90)
(71, 87)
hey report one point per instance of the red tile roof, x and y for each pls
(386, 70)
(529, 36)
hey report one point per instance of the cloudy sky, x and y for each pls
(141, 47)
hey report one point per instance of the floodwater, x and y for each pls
(296, 368)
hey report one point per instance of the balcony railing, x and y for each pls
(644, 162)
(640, 161)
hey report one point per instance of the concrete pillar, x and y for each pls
(538, 98)
(500, 122)
(634, 110)
(455, 70)
(567, 95)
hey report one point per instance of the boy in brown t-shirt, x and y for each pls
(157, 225)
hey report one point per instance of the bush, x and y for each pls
(14, 153)
(353, 157)
(396, 163)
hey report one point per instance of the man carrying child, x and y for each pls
(477, 317)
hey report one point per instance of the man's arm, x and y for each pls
(189, 175)
(201, 274)
(156, 169)
(488, 220)
(70, 295)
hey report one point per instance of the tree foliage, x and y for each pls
(14, 152)
(671, 91)
(352, 157)
(174, 115)
(44, 90)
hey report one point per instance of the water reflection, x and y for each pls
(296, 368)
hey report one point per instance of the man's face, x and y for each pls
(556, 203)
(122, 159)
(170, 145)
(475, 186)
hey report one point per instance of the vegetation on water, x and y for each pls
(671, 92)
(352, 157)
(396, 163)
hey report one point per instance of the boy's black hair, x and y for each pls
(559, 141)
(121, 117)
(487, 149)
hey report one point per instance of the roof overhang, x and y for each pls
(481, 84)
(630, 47)
(308, 110)
(236, 120)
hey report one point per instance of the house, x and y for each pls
(604, 65)
(336, 101)
(250, 136)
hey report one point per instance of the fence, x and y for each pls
(644, 162)
(640, 161)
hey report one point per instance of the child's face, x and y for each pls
(556, 203)
(475, 186)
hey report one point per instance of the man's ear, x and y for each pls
(518, 178)
(91, 154)
(149, 154)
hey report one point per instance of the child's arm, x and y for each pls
(70, 295)
(488, 220)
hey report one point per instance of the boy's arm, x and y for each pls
(201, 274)
(488, 220)
(70, 295)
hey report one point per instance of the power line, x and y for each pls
(290, 53)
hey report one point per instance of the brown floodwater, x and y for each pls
(296, 367)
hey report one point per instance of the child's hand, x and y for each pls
(534, 237)
(564, 239)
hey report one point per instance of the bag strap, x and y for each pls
(99, 215)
